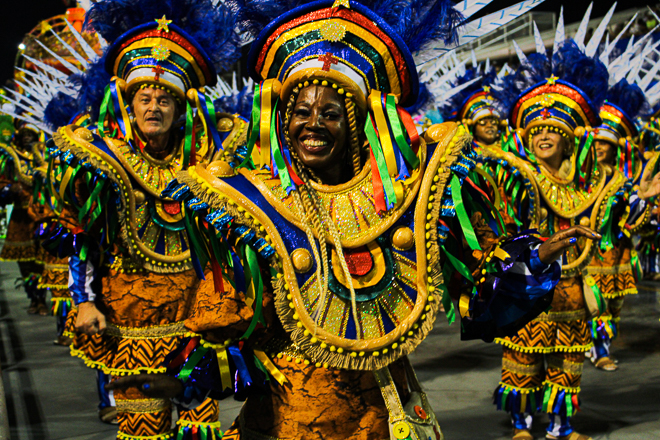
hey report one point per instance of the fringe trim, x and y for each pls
(124, 436)
(560, 400)
(625, 292)
(560, 348)
(517, 400)
(112, 371)
(189, 430)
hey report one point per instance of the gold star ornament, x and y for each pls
(343, 3)
(163, 24)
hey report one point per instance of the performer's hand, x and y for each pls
(554, 246)
(90, 321)
(153, 385)
(649, 186)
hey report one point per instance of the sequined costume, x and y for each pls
(315, 361)
(542, 364)
(128, 251)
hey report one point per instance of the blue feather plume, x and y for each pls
(417, 22)
(454, 104)
(60, 110)
(569, 64)
(212, 27)
(236, 104)
(629, 98)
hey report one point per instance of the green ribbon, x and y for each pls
(546, 399)
(179, 435)
(447, 303)
(254, 275)
(607, 242)
(462, 215)
(285, 179)
(187, 143)
(569, 405)
(504, 396)
(104, 109)
(397, 129)
(584, 151)
(458, 265)
(532, 399)
(192, 361)
(254, 125)
(376, 148)
(599, 297)
(93, 197)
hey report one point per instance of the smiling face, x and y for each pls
(549, 147)
(486, 130)
(606, 152)
(318, 131)
(155, 111)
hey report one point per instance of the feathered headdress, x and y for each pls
(474, 101)
(176, 45)
(368, 52)
(563, 91)
(624, 103)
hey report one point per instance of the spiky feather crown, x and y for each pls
(473, 102)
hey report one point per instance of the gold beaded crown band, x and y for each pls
(478, 106)
(160, 54)
(554, 103)
(346, 46)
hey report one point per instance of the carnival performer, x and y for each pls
(473, 106)
(552, 103)
(509, 176)
(336, 233)
(616, 266)
(131, 275)
(17, 162)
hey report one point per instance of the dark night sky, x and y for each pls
(22, 15)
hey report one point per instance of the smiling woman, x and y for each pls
(318, 129)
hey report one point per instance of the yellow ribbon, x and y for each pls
(464, 305)
(225, 372)
(272, 369)
(264, 123)
(501, 254)
(386, 141)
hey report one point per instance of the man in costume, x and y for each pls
(332, 234)
(551, 102)
(131, 275)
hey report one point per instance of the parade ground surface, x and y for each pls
(52, 396)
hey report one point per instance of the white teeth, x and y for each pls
(313, 143)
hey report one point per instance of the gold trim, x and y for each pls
(521, 369)
(411, 188)
(154, 332)
(568, 316)
(559, 363)
(142, 406)
(68, 140)
(524, 168)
